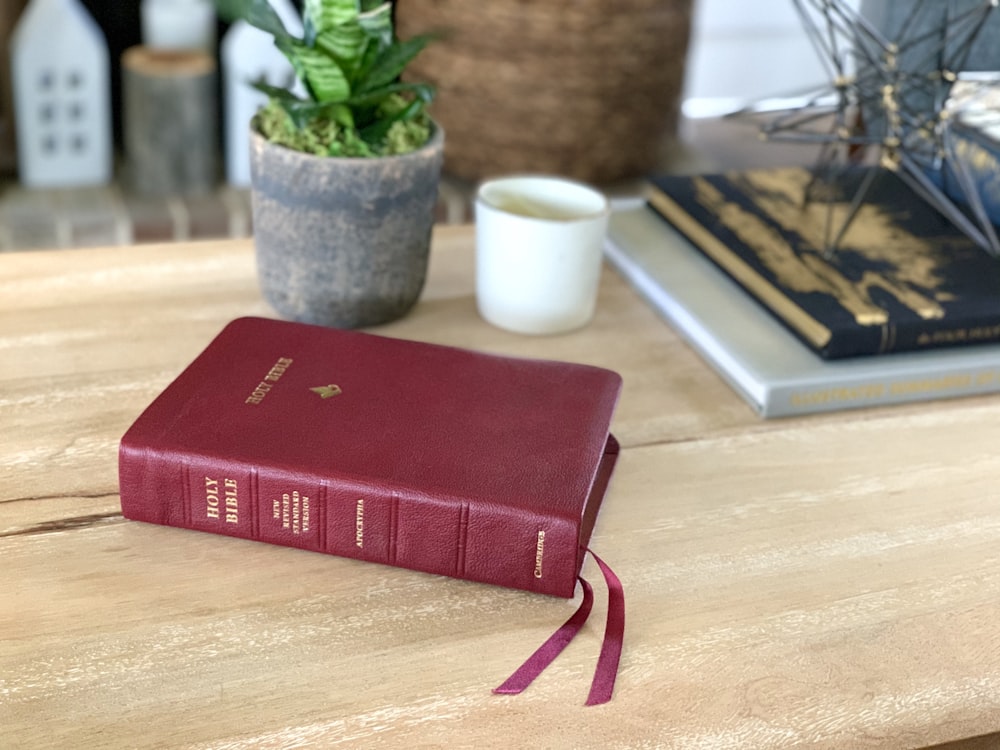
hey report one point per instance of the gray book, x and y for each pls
(765, 363)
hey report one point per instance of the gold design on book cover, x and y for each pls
(327, 391)
(906, 261)
(908, 264)
(539, 553)
(810, 328)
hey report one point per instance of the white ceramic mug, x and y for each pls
(539, 245)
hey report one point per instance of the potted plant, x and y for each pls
(343, 179)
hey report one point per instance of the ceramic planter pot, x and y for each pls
(343, 242)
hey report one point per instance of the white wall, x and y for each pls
(744, 50)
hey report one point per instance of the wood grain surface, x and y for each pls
(824, 582)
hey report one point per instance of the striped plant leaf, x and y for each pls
(325, 14)
(321, 73)
(377, 24)
(356, 43)
(345, 43)
(349, 61)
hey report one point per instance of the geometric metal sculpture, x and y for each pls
(892, 95)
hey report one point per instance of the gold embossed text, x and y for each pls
(221, 502)
(359, 523)
(232, 507)
(272, 377)
(211, 497)
(539, 553)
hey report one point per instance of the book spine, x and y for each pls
(900, 388)
(482, 542)
(916, 335)
(942, 334)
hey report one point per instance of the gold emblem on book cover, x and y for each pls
(327, 391)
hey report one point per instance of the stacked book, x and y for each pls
(902, 308)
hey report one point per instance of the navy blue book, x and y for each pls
(902, 278)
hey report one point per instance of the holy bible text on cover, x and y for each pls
(421, 456)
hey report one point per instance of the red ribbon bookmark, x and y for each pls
(603, 684)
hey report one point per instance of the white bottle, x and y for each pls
(178, 24)
(248, 54)
(62, 103)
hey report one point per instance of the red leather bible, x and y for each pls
(421, 456)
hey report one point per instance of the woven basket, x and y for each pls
(583, 88)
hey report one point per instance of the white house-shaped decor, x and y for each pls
(61, 83)
(249, 54)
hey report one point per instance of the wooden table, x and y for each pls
(831, 581)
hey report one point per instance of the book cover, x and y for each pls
(902, 277)
(757, 356)
(427, 457)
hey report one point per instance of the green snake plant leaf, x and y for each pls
(302, 111)
(349, 61)
(257, 13)
(346, 44)
(321, 73)
(388, 66)
(377, 23)
(325, 14)
(422, 92)
(377, 130)
(356, 43)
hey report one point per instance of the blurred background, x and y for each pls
(605, 92)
